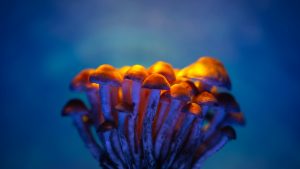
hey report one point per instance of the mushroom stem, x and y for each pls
(178, 143)
(94, 100)
(87, 137)
(147, 139)
(161, 114)
(132, 121)
(107, 139)
(135, 95)
(196, 132)
(77, 110)
(217, 119)
(189, 150)
(168, 126)
(105, 100)
(139, 126)
(126, 96)
(117, 146)
(205, 109)
(115, 100)
(217, 144)
(122, 139)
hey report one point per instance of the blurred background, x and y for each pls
(45, 43)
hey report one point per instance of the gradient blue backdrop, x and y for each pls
(45, 43)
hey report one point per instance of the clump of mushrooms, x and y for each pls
(160, 117)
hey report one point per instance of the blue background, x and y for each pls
(45, 43)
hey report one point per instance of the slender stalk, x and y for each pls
(168, 126)
(123, 141)
(110, 150)
(87, 137)
(178, 143)
(153, 100)
(105, 100)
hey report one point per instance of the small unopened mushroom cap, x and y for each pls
(229, 102)
(178, 91)
(81, 81)
(192, 108)
(209, 70)
(164, 69)
(206, 98)
(156, 81)
(106, 126)
(229, 131)
(106, 74)
(136, 73)
(74, 106)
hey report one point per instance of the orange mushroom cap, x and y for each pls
(156, 81)
(206, 98)
(209, 70)
(178, 91)
(81, 81)
(192, 108)
(106, 74)
(164, 69)
(124, 69)
(136, 73)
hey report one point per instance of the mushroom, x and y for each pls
(77, 110)
(155, 83)
(228, 102)
(226, 113)
(232, 110)
(190, 86)
(179, 96)
(136, 74)
(208, 70)
(81, 83)
(214, 144)
(164, 69)
(107, 129)
(206, 100)
(106, 76)
(192, 112)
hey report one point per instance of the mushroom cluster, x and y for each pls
(160, 117)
